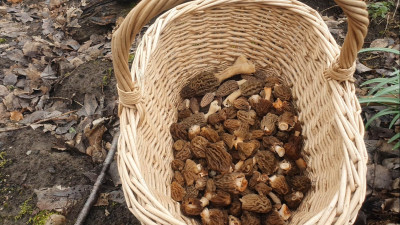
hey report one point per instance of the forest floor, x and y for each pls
(58, 112)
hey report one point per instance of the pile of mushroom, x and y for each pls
(237, 148)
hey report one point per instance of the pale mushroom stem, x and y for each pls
(267, 92)
(279, 150)
(241, 66)
(275, 199)
(229, 100)
(214, 107)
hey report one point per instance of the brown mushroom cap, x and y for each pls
(207, 99)
(191, 206)
(247, 149)
(247, 167)
(193, 131)
(228, 140)
(214, 217)
(195, 119)
(256, 203)
(231, 182)
(191, 192)
(218, 158)
(177, 164)
(235, 208)
(177, 191)
(194, 105)
(227, 88)
(215, 118)
(184, 114)
(266, 162)
(283, 92)
(198, 146)
(190, 172)
(178, 177)
(250, 218)
(178, 132)
(294, 199)
(274, 218)
(300, 183)
(262, 189)
(229, 112)
(234, 220)
(262, 107)
(210, 134)
(220, 198)
(201, 183)
(251, 87)
(279, 184)
(286, 121)
(268, 123)
(271, 81)
(200, 85)
(232, 124)
(185, 153)
(241, 104)
(178, 145)
(248, 117)
(256, 134)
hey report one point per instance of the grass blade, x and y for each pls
(396, 146)
(379, 114)
(381, 100)
(395, 119)
(394, 88)
(397, 136)
(380, 50)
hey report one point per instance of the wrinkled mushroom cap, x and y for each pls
(218, 158)
(210, 134)
(256, 203)
(279, 184)
(241, 104)
(266, 162)
(251, 87)
(231, 182)
(227, 88)
(177, 191)
(191, 206)
(198, 146)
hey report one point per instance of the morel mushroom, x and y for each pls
(191, 192)
(207, 99)
(177, 164)
(247, 149)
(219, 198)
(234, 220)
(228, 140)
(263, 189)
(214, 107)
(284, 212)
(200, 183)
(272, 81)
(190, 171)
(184, 114)
(194, 105)
(231, 125)
(274, 218)
(185, 104)
(231, 182)
(218, 158)
(300, 183)
(207, 82)
(286, 121)
(177, 191)
(256, 134)
(256, 178)
(275, 199)
(210, 134)
(282, 92)
(279, 184)
(250, 218)
(282, 106)
(195, 119)
(268, 123)
(263, 105)
(214, 217)
(178, 177)
(294, 199)
(247, 167)
(247, 117)
(293, 147)
(178, 145)
(266, 162)
(241, 133)
(193, 131)
(248, 88)
(198, 146)
(256, 203)
(215, 118)
(236, 207)
(185, 153)
(241, 104)
(178, 132)
(192, 206)
(227, 88)
(273, 144)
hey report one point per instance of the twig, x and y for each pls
(328, 8)
(37, 122)
(93, 194)
(67, 99)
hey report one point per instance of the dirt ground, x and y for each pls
(32, 160)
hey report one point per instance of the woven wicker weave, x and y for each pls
(284, 35)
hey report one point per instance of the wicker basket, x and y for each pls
(285, 35)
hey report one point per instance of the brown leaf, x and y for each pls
(14, 1)
(16, 116)
(102, 200)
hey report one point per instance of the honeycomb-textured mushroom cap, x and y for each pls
(191, 206)
(294, 199)
(248, 117)
(268, 123)
(191, 192)
(279, 184)
(248, 166)
(262, 189)
(218, 158)
(191, 171)
(184, 114)
(271, 81)
(198, 146)
(194, 119)
(178, 132)
(250, 218)
(200, 85)
(207, 99)
(283, 92)
(251, 87)
(177, 191)
(230, 112)
(257, 134)
(220, 198)
(248, 148)
(178, 145)
(241, 104)
(266, 162)
(235, 208)
(227, 88)
(177, 164)
(178, 177)
(231, 182)
(234, 220)
(185, 153)
(193, 131)
(215, 118)
(263, 107)
(200, 183)
(214, 217)
(194, 105)
(256, 203)
(300, 183)
(286, 121)
(228, 140)
(232, 124)
(210, 134)
(274, 218)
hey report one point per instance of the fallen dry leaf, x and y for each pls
(102, 200)
(16, 116)
(14, 1)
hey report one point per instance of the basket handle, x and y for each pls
(343, 67)
(122, 40)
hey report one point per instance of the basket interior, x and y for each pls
(291, 40)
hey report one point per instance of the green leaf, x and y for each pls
(381, 100)
(379, 114)
(394, 89)
(380, 49)
(395, 119)
(383, 80)
(397, 136)
(396, 146)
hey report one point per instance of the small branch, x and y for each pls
(328, 9)
(67, 99)
(93, 194)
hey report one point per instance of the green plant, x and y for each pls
(379, 9)
(3, 40)
(3, 160)
(25, 208)
(385, 91)
(41, 217)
